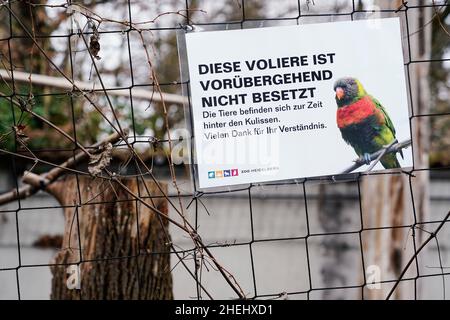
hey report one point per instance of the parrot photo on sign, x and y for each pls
(363, 122)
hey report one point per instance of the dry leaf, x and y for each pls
(19, 130)
(94, 46)
(100, 161)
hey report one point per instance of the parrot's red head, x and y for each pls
(348, 90)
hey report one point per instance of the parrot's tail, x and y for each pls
(389, 161)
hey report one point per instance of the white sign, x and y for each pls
(299, 101)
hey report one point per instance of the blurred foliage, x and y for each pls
(167, 61)
(20, 54)
(440, 91)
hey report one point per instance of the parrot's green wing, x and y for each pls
(389, 123)
(386, 116)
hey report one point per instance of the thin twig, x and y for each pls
(187, 227)
(49, 123)
(431, 237)
(38, 182)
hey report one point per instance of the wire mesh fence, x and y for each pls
(98, 133)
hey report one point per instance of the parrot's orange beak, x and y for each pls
(340, 93)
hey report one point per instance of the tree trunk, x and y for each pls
(387, 199)
(125, 249)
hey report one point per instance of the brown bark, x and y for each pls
(124, 248)
(387, 199)
(386, 203)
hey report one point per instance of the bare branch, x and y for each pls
(392, 148)
(37, 182)
(42, 181)
(63, 83)
(416, 253)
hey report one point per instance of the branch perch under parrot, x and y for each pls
(376, 156)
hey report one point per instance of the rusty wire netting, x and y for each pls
(196, 248)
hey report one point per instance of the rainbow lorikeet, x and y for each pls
(363, 122)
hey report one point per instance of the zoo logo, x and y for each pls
(223, 173)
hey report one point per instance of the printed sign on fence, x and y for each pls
(298, 101)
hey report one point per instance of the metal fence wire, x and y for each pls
(301, 239)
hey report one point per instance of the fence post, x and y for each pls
(387, 199)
